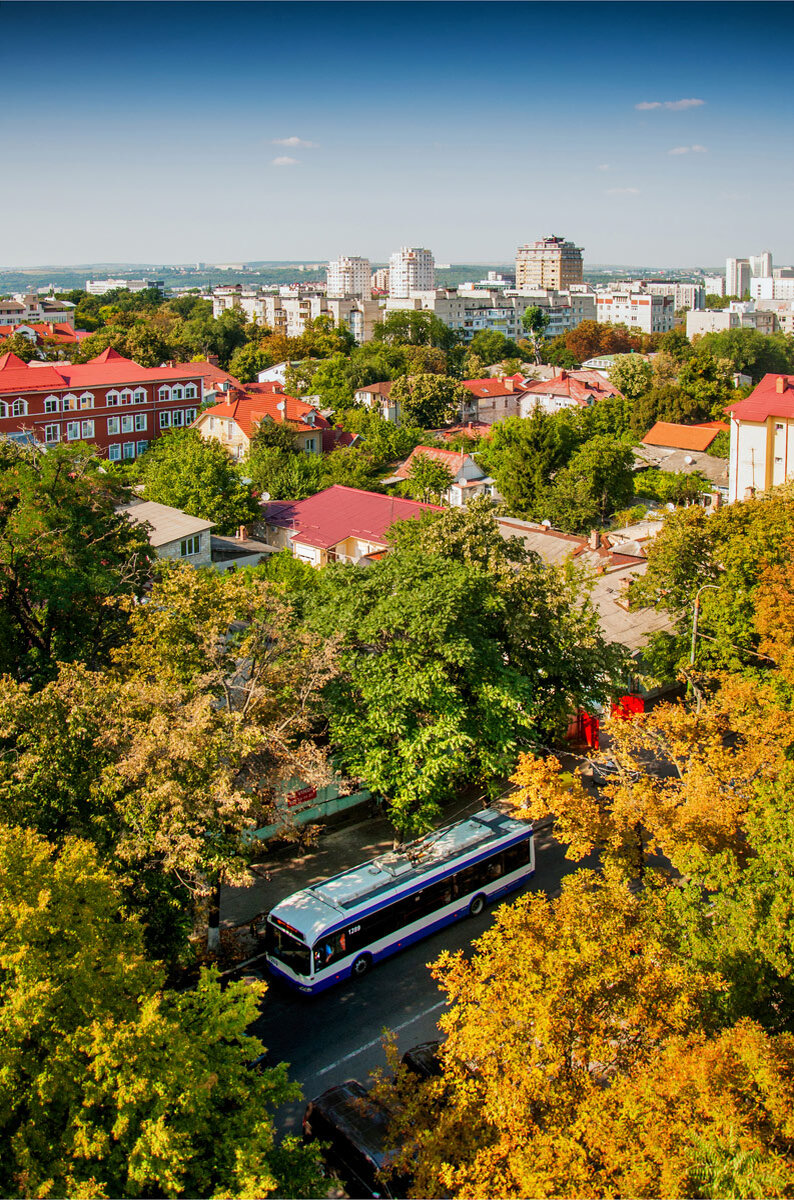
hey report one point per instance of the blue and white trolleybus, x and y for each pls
(340, 927)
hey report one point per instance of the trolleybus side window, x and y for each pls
(516, 856)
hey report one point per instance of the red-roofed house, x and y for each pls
(468, 479)
(377, 395)
(495, 398)
(234, 421)
(61, 334)
(110, 401)
(339, 524)
(683, 437)
(569, 389)
(762, 437)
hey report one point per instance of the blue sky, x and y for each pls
(649, 133)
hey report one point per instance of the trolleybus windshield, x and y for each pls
(286, 947)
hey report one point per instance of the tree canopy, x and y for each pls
(198, 477)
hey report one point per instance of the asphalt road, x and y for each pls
(338, 1034)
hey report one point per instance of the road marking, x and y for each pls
(377, 1040)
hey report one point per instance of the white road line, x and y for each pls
(377, 1040)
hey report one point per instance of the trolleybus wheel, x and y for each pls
(477, 905)
(361, 965)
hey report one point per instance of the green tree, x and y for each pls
(67, 560)
(111, 1086)
(351, 467)
(413, 327)
(247, 361)
(429, 400)
(598, 480)
(750, 352)
(490, 347)
(284, 474)
(523, 454)
(631, 375)
(535, 322)
(198, 477)
(19, 344)
(428, 479)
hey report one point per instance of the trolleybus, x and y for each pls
(340, 927)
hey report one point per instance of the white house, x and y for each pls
(762, 437)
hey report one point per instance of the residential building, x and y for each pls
(99, 287)
(173, 534)
(685, 295)
(569, 389)
(379, 282)
(740, 314)
(737, 276)
(501, 311)
(761, 264)
(468, 478)
(61, 333)
(772, 287)
(714, 285)
(339, 524)
(289, 311)
(348, 276)
(377, 395)
(233, 421)
(494, 398)
(683, 450)
(112, 402)
(411, 269)
(25, 308)
(668, 435)
(783, 310)
(550, 262)
(639, 311)
(762, 437)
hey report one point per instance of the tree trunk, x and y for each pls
(214, 917)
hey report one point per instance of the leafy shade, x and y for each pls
(66, 560)
(198, 477)
(110, 1086)
(429, 400)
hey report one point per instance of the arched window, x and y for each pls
(3, 409)
(177, 392)
(191, 391)
(140, 396)
(69, 402)
(164, 393)
(112, 399)
(52, 404)
(126, 396)
(19, 408)
(87, 400)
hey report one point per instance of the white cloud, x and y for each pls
(284, 161)
(295, 142)
(672, 105)
(622, 192)
(603, 167)
(688, 150)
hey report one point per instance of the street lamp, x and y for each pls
(705, 586)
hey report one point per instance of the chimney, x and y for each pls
(781, 384)
(594, 541)
(241, 533)
(509, 384)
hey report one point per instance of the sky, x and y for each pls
(648, 133)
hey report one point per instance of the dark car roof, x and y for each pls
(349, 1108)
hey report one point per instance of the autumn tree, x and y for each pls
(111, 1086)
(631, 375)
(67, 560)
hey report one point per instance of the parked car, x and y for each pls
(423, 1059)
(352, 1128)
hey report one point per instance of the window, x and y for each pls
(3, 409)
(86, 400)
(310, 445)
(88, 429)
(126, 396)
(165, 420)
(191, 391)
(190, 546)
(139, 396)
(140, 422)
(69, 402)
(190, 416)
(114, 452)
(142, 447)
(113, 425)
(126, 423)
(164, 393)
(73, 430)
(52, 404)
(129, 449)
(177, 392)
(52, 434)
(19, 408)
(177, 419)
(112, 399)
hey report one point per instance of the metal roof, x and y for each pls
(167, 524)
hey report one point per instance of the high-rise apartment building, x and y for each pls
(761, 265)
(737, 276)
(549, 263)
(411, 269)
(349, 277)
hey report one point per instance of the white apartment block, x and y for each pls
(772, 287)
(637, 310)
(380, 280)
(685, 295)
(714, 285)
(761, 264)
(737, 276)
(783, 311)
(349, 276)
(411, 269)
(99, 287)
(740, 314)
(469, 312)
(29, 309)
